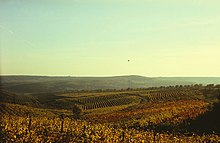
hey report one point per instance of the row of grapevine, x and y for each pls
(155, 112)
(106, 101)
(34, 130)
(100, 98)
(9, 97)
(173, 95)
(21, 110)
(96, 101)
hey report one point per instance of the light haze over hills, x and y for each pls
(35, 84)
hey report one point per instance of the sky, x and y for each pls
(110, 37)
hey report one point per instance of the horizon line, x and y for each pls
(42, 75)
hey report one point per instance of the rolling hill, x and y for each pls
(36, 84)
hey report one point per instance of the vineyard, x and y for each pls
(173, 95)
(106, 101)
(24, 99)
(140, 115)
(154, 113)
(33, 130)
(120, 98)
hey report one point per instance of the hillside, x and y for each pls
(197, 80)
(164, 114)
(36, 84)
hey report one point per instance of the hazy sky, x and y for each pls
(98, 37)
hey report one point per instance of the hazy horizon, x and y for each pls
(38, 75)
(110, 38)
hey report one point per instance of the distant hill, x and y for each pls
(35, 84)
(198, 80)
